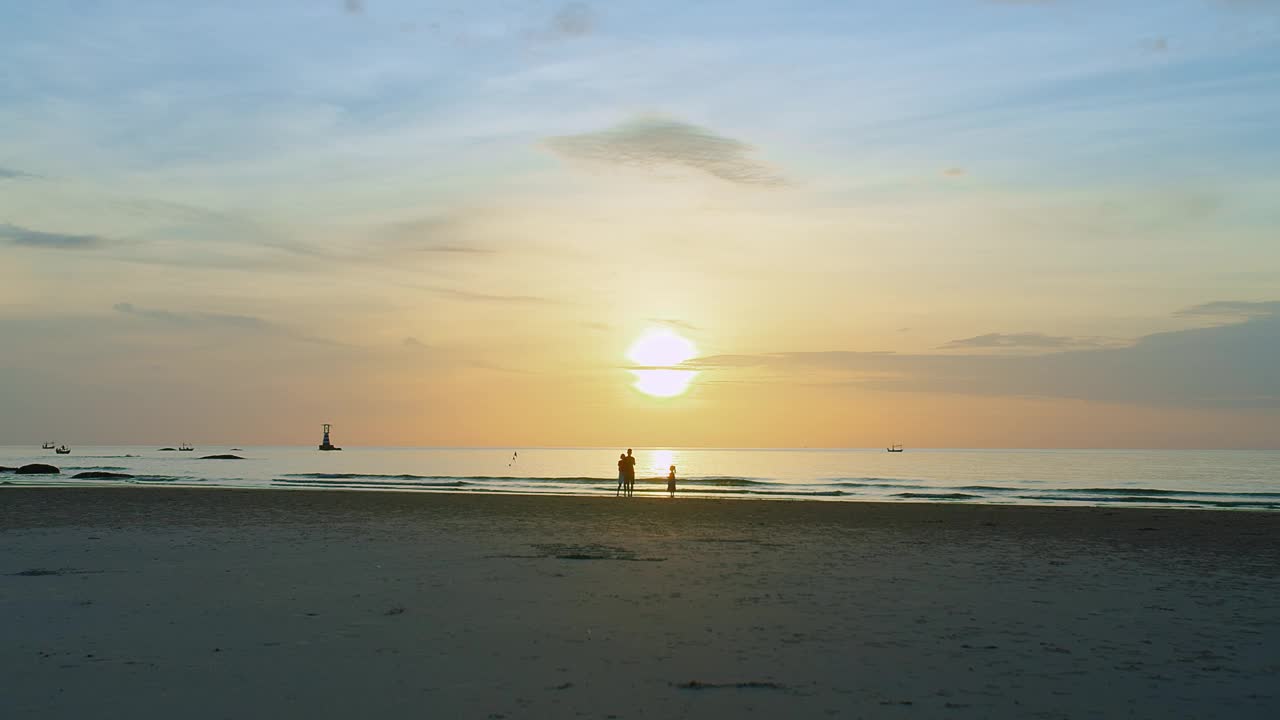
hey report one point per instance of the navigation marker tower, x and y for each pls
(326, 445)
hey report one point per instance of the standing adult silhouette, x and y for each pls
(631, 473)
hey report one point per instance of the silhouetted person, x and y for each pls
(671, 481)
(631, 473)
(622, 473)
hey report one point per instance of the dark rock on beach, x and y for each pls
(96, 475)
(221, 457)
(7, 469)
(38, 469)
(167, 450)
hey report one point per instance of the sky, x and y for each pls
(952, 223)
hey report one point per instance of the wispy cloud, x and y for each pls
(455, 249)
(652, 142)
(353, 7)
(486, 297)
(449, 234)
(12, 174)
(195, 319)
(672, 322)
(61, 241)
(574, 19)
(1232, 309)
(1025, 340)
(954, 172)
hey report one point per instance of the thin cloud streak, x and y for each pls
(1232, 309)
(672, 322)
(1024, 340)
(455, 250)
(195, 319)
(446, 234)
(27, 237)
(12, 174)
(486, 297)
(211, 320)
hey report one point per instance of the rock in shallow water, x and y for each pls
(221, 457)
(100, 475)
(38, 469)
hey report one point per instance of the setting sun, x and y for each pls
(657, 350)
(663, 383)
(661, 347)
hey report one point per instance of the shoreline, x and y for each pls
(656, 493)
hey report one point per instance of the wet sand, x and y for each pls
(150, 603)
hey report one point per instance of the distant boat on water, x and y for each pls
(893, 448)
(326, 445)
(185, 448)
(63, 450)
(47, 446)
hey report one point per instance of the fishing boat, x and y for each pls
(185, 448)
(47, 446)
(63, 450)
(893, 448)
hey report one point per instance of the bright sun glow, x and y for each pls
(663, 383)
(661, 347)
(657, 350)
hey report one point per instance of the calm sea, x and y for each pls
(1182, 478)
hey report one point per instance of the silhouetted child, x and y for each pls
(622, 473)
(671, 481)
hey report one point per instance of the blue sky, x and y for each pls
(500, 181)
(136, 82)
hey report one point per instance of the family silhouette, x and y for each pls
(627, 476)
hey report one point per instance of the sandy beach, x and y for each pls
(150, 603)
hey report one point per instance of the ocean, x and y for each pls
(1244, 479)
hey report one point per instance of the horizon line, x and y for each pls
(709, 448)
